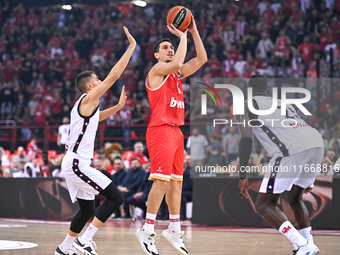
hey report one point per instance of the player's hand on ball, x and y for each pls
(132, 40)
(122, 98)
(177, 32)
(242, 187)
(192, 28)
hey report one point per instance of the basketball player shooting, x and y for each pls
(300, 146)
(164, 138)
(83, 181)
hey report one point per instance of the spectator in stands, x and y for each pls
(306, 49)
(97, 164)
(230, 145)
(7, 100)
(133, 179)
(26, 172)
(282, 46)
(36, 167)
(326, 166)
(240, 64)
(112, 151)
(32, 149)
(100, 154)
(125, 116)
(4, 159)
(20, 110)
(138, 153)
(118, 177)
(265, 46)
(214, 149)
(4, 172)
(331, 122)
(20, 155)
(22, 164)
(138, 116)
(331, 155)
(336, 148)
(197, 144)
(14, 167)
(57, 167)
(141, 196)
(46, 166)
(32, 106)
(186, 188)
(63, 134)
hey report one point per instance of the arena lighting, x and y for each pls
(67, 7)
(139, 3)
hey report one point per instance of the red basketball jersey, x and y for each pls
(166, 101)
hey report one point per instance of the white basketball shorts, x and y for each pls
(284, 172)
(83, 181)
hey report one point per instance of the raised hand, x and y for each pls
(122, 98)
(132, 40)
(177, 32)
(192, 28)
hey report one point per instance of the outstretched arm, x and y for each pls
(114, 74)
(194, 64)
(107, 112)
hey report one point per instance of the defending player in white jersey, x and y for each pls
(83, 181)
(295, 147)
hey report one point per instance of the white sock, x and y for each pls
(149, 226)
(88, 234)
(292, 234)
(67, 243)
(175, 223)
(307, 233)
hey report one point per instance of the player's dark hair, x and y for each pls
(156, 47)
(258, 83)
(82, 79)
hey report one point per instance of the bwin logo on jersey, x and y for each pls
(204, 98)
(175, 103)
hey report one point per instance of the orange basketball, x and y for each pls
(180, 17)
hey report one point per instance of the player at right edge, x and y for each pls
(299, 146)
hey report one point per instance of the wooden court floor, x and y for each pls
(117, 237)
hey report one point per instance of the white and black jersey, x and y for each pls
(82, 131)
(283, 135)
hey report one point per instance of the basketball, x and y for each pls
(180, 17)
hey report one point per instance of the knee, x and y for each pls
(88, 212)
(117, 197)
(261, 209)
(120, 199)
(293, 201)
(162, 186)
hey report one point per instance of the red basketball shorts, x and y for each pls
(166, 150)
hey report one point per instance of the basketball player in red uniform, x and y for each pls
(164, 137)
